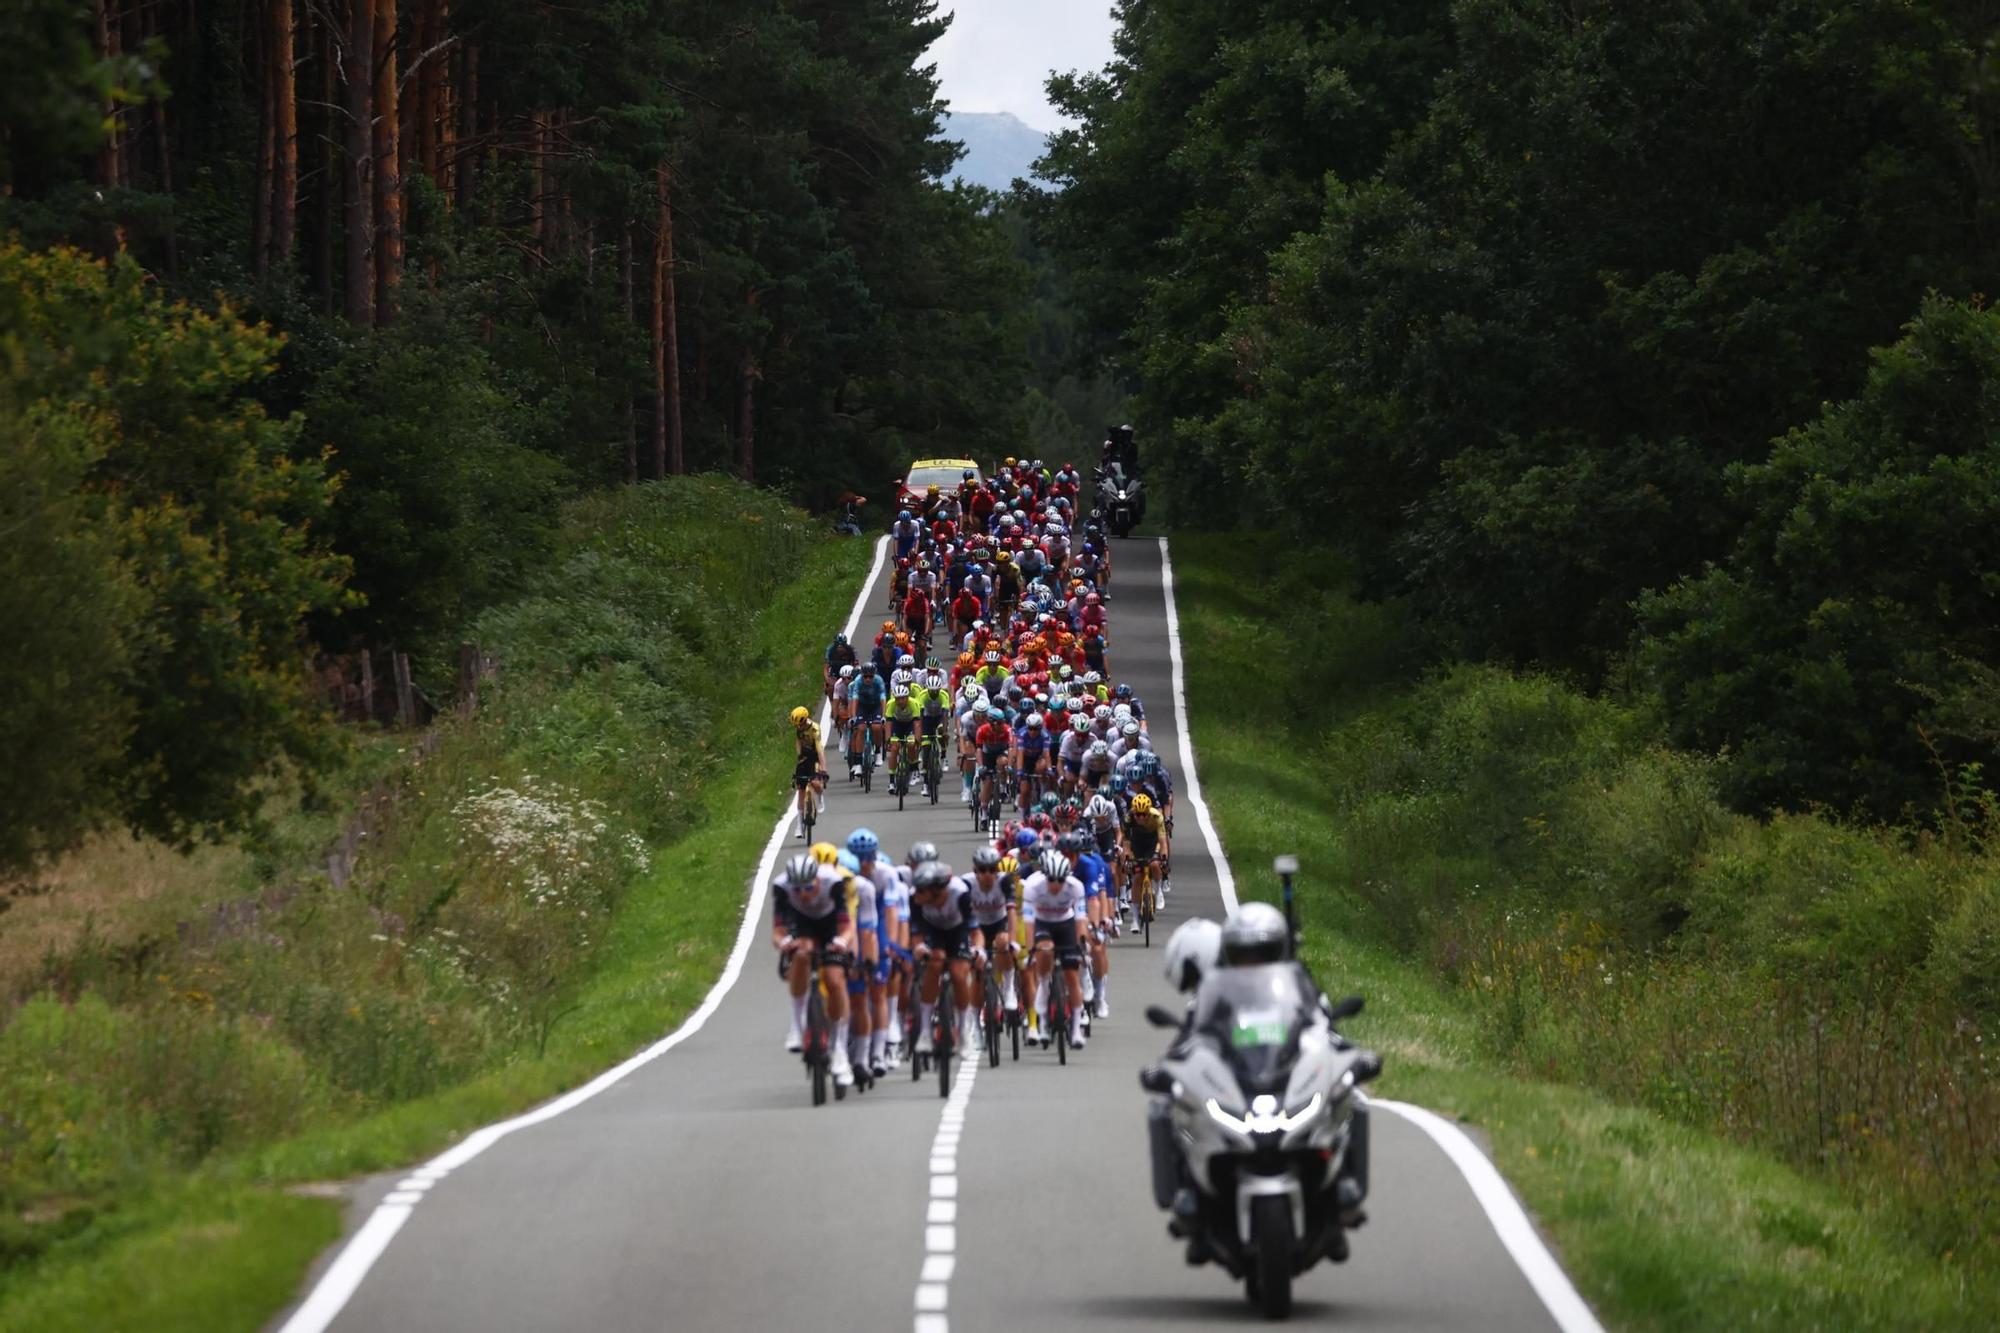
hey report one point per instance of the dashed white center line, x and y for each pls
(941, 1212)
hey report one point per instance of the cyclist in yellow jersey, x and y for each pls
(1142, 834)
(807, 772)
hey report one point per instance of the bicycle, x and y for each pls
(933, 766)
(944, 1032)
(991, 1019)
(816, 1042)
(808, 809)
(899, 778)
(867, 757)
(1141, 875)
(1058, 986)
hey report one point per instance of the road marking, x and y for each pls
(1509, 1220)
(338, 1284)
(1189, 776)
(941, 1230)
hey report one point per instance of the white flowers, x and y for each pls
(549, 836)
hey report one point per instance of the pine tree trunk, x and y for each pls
(285, 185)
(468, 133)
(660, 243)
(261, 174)
(536, 196)
(671, 382)
(360, 237)
(107, 150)
(626, 262)
(388, 169)
(329, 161)
(748, 372)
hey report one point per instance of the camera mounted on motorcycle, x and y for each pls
(1156, 1080)
(1161, 1017)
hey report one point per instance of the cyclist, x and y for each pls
(1055, 896)
(994, 675)
(906, 531)
(1141, 837)
(867, 932)
(989, 896)
(1031, 751)
(839, 653)
(995, 738)
(938, 904)
(903, 716)
(917, 615)
(842, 699)
(933, 699)
(807, 772)
(869, 695)
(892, 939)
(812, 914)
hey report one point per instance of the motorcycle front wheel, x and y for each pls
(1270, 1280)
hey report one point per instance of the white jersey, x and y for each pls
(820, 898)
(1052, 900)
(1102, 812)
(989, 906)
(948, 914)
(1075, 743)
(890, 891)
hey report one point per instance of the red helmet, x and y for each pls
(903, 562)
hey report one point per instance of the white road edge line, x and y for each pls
(344, 1276)
(1510, 1221)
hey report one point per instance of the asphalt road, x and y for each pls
(703, 1191)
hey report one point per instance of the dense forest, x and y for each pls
(311, 312)
(1646, 344)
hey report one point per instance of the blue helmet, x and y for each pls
(904, 516)
(863, 843)
(1026, 839)
(1123, 692)
(1118, 782)
(848, 862)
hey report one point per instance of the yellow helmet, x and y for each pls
(1008, 865)
(825, 853)
(800, 717)
(1142, 804)
(1008, 463)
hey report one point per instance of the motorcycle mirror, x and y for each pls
(1156, 1080)
(1368, 1066)
(1161, 1017)
(1347, 1008)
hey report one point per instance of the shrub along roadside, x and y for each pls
(1446, 823)
(431, 1042)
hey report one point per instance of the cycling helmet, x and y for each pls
(986, 857)
(970, 475)
(867, 668)
(921, 852)
(1034, 721)
(1118, 783)
(1193, 951)
(1055, 865)
(1125, 692)
(1079, 723)
(1090, 600)
(1142, 804)
(906, 660)
(800, 717)
(848, 861)
(802, 869)
(863, 843)
(1101, 713)
(1092, 678)
(932, 875)
(902, 562)
(903, 517)
(847, 673)
(1255, 933)
(931, 662)
(1072, 844)
(1024, 839)
(824, 852)
(1121, 712)
(900, 691)
(1131, 729)
(992, 656)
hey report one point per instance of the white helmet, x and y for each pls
(847, 673)
(1121, 711)
(1101, 713)
(1079, 723)
(1255, 933)
(1193, 951)
(1131, 728)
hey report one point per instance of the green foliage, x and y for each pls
(146, 457)
(1815, 987)
(443, 508)
(1839, 630)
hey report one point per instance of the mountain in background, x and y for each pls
(998, 147)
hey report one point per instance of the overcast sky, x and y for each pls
(999, 52)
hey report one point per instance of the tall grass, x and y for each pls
(1818, 990)
(526, 856)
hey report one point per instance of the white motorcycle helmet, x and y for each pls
(1193, 951)
(1255, 933)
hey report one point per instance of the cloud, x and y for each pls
(998, 53)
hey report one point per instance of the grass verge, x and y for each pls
(1662, 1224)
(222, 1242)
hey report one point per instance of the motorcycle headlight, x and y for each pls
(1264, 1117)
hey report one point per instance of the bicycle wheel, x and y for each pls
(933, 773)
(1059, 1013)
(899, 779)
(1014, 1029)
(945, 1039)
(818, 1060)
(809, 814)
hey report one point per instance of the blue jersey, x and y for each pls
(1095, 872)
(867, 692)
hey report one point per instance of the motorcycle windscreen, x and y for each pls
(1255, 1016)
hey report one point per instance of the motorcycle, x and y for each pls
(1258, 1153)
(1121, 498)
